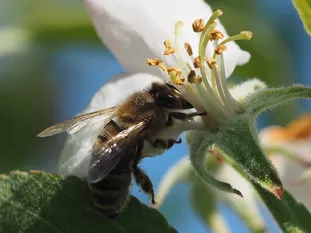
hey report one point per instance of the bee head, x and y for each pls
(166, 95)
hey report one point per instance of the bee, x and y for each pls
(121, 142)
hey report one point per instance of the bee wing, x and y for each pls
(77, 123)
(107, 157)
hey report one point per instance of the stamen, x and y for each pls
(188, 49)
(220, 49)
(168, 47)
(199, 79)
(244, 35)
(156, 62)
(197, 62)
(216, 35)
(184, 65)
(210, 62)
(198, 25)
(191, 76)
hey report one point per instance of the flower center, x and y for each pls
(202, 79)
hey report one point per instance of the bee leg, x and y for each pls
(182, 116)
(143, 181)
(160, 143)
(165, 144)
(171, 142)
(141, 178)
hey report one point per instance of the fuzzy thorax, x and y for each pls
(202, 79)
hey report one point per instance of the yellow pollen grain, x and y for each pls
(198, 25)
(152, 62)
(216, 35)
(196, 62)
(210, 62)
(168, 48)
(167, 44)
(188, 49)
(177, 72)
(169, 51)
(191, 76)
(220, 49)
(156, 62)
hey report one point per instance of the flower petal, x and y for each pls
(75, 157)
(290, 168)
(135, 30)
(239, 92)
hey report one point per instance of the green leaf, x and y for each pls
(199, 146)
(291, 215)
(39, 202)
(304, 10)
(238, 139)
(273, 97)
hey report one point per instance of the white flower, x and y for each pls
(134, 31)
(289, 148)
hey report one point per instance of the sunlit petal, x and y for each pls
(135, 30)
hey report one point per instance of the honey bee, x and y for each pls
(119, 146)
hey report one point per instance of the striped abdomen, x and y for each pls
(111, 193)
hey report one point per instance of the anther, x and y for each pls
(188, 49)
(168, 47)
(198, 25)
(177, 71)
(152, 62)
(196, 62)
(191, 76)
(156, 62)
(220, 49)
(199, 79)
(216, 35)
(210, 62)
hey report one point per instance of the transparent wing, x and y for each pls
(105, 158)
(77, 123)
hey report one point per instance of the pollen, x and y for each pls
(198, 25)
(168, 48)
(210, 62)
(216, 35)
(191, 76)
(220, 49)
(196, 62)
(188, 49)
(156, 62)
(152, 62)
(177, 71)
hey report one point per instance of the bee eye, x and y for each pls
(167, 100)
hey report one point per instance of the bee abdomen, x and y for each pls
(110, 194)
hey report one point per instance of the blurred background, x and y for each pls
(52, 63)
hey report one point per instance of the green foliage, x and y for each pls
(238, 140)
(39, 202)
(304, 9)
(269, 98)
(291, 215)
